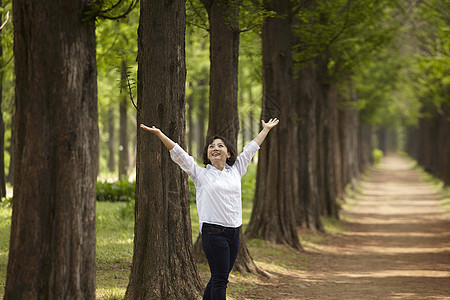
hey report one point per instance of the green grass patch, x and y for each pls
(276, 256)
(5, 227)
(115, 233)
(440, 187)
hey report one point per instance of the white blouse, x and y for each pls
(218, 193)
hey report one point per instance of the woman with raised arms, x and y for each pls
(218, 198)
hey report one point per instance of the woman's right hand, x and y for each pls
(152, 129)
(166, 141)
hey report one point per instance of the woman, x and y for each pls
(218, 198)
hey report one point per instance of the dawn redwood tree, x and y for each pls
(2, 125)
(111, 140)
(224, 53)
(123, 134)
(223, 94)
(163, 266)
(52, 243)
(307, 93)
(328, 147)
(273, 214)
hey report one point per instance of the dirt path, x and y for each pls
(396, 245)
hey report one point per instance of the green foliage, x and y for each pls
(6, 202)
(7, 77)
(385, 94)
(345, 32)
(119, 191)
(116, 43)
(192, 192)
(431, 33)
(377, 156)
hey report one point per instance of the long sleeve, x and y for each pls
(245, 157)
(185, 161)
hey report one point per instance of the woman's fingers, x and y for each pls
(151, 129)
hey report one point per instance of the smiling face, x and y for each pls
(217, 151)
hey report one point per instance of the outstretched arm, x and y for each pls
(166, 141)
(266, 128)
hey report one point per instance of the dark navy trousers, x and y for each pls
(221, 245)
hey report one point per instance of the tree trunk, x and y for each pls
(330, 151)
(201, 125)
(365, 148)
(308, 201)
(111, 140)
(10, 177)
(163, 266)
(123, 148)
(2, 128)
(223, 93)
(320, 147)
(52, 244)
(224, 52)
(273, 215)
(190, 122)
(443, 142)
(354, 114)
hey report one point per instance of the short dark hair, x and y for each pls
(230, 161)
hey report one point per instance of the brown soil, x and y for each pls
(395, 245)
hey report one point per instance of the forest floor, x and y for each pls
(394, 244)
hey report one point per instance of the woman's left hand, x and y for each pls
(270, 124)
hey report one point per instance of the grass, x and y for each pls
(5, 225)
(440, 187)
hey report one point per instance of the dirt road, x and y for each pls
(396, 245)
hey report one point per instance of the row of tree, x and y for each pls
(324, 71)
(320, 145)
(428, 141)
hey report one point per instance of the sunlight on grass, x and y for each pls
(439, 187)
(5, 225)
(115, 232)
(110, 293)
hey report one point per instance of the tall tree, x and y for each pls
(224, 52)
(308, 205)
(123, 133)
(52, 246)
(2, 122)
(111, 140)
(163, 266)
(273, 215)
(223, 16)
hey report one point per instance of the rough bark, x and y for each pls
(348, 136)
(10, 177)
(190, 124)
(2, 129)
(163, 266)
(52, 244)
(443, 149)
(224, 53)
(273, 214)
(123, 134)
(202, 115)
(330, 151)
(429, 143)
(308, 200)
